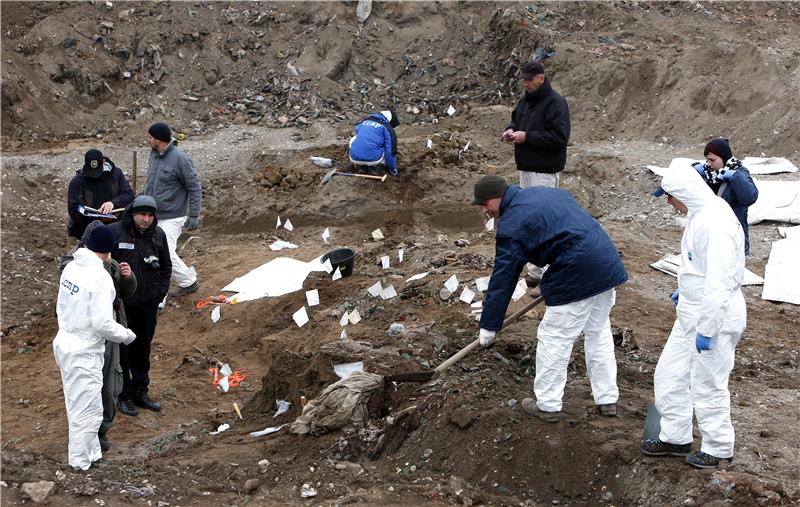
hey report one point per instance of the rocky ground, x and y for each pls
(258, 88)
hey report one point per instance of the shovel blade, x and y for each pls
(652, 424)
(328, 176)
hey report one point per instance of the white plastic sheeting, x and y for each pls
(277, 277)
(782, 274)
(669, 264)
(777, 200)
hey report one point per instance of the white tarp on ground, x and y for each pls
(277, 277)
(669, 264)
(789, 232)
(777, 200)
(771, 165)
(782, 274)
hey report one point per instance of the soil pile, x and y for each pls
(258, 88)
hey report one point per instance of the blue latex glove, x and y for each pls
(699, 167)
(674, 297)
(727, 175)
(702, 342)
(192, 223)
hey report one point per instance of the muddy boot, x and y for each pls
(659, 448)
(182, 291)
(377, 170)
(608, 410)
(703, 460)
(529, 406)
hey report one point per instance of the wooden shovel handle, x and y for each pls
(458, 356)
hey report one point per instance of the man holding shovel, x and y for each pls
(546, 226)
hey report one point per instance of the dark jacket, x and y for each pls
(544, 116)
(545, 226)
(740, 192)
(93, 192)
(173, 182)
(134, 247)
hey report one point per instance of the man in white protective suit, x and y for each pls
(85, 320)
(693, 370)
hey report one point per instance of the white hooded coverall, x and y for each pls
(711, 304)
(85, 320)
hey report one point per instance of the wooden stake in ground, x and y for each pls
(134, 172)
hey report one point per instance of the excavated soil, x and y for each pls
(258, 88)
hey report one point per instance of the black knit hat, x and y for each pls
(489, 187)
(160, 131)
(93, 163)
(720, 148)
(101, 239)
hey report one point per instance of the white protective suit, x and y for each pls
(710, 303)
(85, 320)
(558, 330)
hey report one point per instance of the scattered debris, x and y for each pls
(38, 491)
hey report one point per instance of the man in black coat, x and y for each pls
(143, 245)
(100, 185)
(539, 130)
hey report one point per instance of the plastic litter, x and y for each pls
(282, 407)
(266, 431)
(321, 162)
(344, 370)
(307, 490)
(418, 276)
(279, 245)
(396, 329)
(451, 284)
(215, 314)
(220, 429)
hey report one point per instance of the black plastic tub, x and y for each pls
(341, 258)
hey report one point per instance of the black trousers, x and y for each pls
(135, 358)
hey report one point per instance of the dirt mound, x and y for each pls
(258, 88)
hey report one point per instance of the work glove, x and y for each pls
(674, 297)
(192, 223)
(486, 337)
(129, 339)
(702, 342)
(727, 175)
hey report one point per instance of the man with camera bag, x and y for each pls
(143, 245)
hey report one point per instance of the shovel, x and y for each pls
(330, 174)
(424, 376)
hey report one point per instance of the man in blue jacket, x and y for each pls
(729, 179)
(374, 146)
(542, 226)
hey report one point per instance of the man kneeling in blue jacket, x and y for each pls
(546, 226)
(374, 147)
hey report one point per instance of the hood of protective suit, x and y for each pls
(687, 186)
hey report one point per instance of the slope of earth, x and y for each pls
(462, 438)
